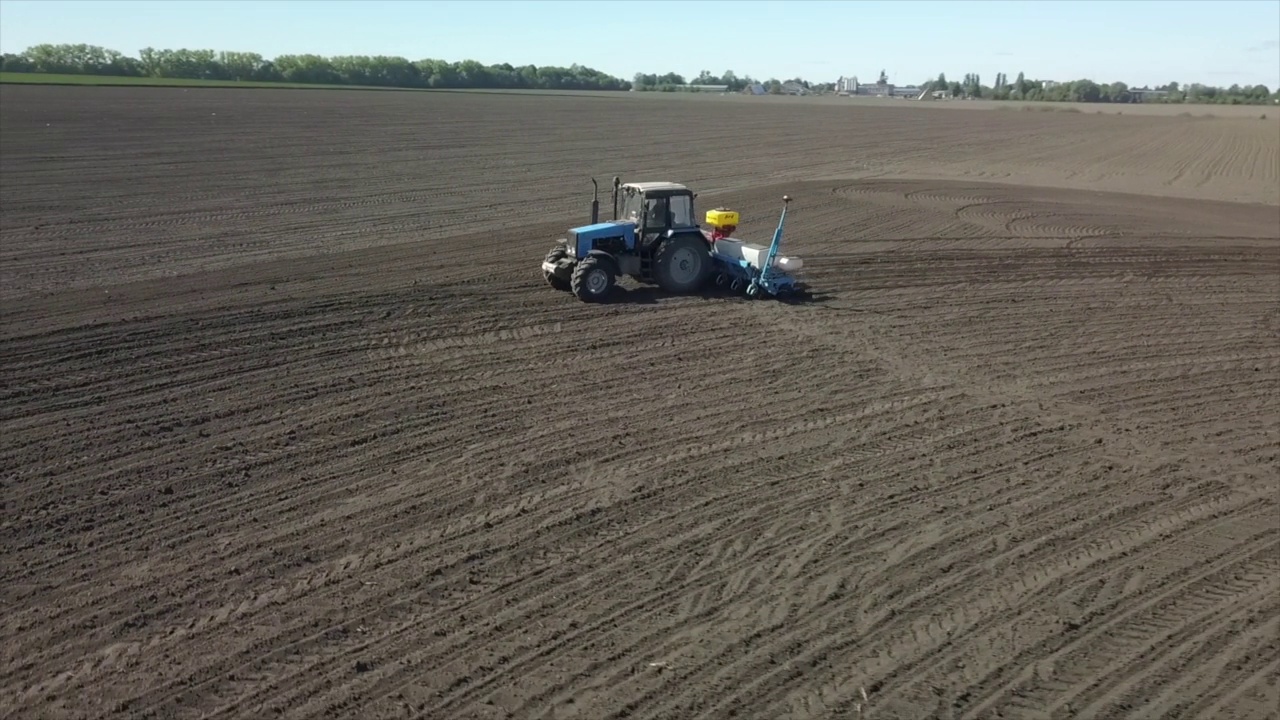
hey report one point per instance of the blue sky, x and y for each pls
(1216, 42)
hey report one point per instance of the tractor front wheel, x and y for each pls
(682, 264)
(556, 254)
(592, 280)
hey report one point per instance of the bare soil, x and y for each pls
(292, 427)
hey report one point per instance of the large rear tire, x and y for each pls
(592, 280)
(682, 264)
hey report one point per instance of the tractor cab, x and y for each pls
(656, 208)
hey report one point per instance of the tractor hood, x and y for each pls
(615, 228)
(602, 228)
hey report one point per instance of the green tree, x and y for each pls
(12, 62)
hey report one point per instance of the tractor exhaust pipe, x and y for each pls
(617, 183)
(595, 202)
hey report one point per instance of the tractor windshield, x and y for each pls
(632, 207)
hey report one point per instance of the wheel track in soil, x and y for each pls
(1019, 407)
(711, 449)
(1198, 614)
(1209, 705)
(1072, 656)
(924, 651)
(715, 594)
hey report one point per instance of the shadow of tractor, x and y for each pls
(632, 294)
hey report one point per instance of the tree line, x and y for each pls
(394, 71)
(375, 70)
(732, 82)
(971, 86)
(1088, 91)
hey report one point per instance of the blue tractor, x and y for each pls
(652, 238)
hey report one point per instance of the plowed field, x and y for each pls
(292, 426)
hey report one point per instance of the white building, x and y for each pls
(1143, 94)
(851, 86)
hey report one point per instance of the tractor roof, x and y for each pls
(656, 186)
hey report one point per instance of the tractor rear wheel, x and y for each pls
(682, 264)
(592, 280)
(556, 254)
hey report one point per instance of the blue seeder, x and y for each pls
(751, 268)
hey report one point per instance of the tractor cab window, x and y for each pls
(655, 213)
(681, 211)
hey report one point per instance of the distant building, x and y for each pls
(1145, 94)
(705, 88)
(794, 88)
(851, 86)
(757, 89)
